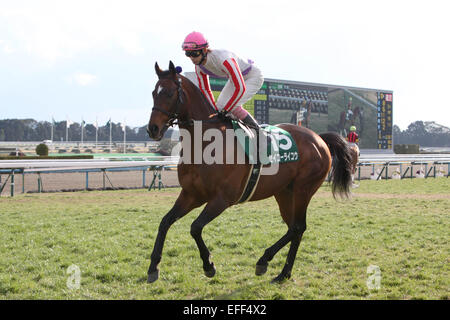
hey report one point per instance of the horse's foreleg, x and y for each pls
(211, 211)
(182, 206)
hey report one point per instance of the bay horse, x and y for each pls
(357, 115)
(176, 98)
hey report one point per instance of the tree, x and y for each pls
(42, 149)
(417, 129)
(419, 133)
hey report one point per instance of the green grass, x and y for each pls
(400, 226)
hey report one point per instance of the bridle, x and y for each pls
(174, 115)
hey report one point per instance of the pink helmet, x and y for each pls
(194, 41)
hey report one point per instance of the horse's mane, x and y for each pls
(198, 92)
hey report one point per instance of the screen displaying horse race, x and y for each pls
(322, 108)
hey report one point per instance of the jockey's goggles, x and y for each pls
(193, 53)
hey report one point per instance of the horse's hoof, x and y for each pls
(211, 272)
(280, 278)
(260, 269)
(153, 276)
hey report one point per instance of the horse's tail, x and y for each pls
(341, 169)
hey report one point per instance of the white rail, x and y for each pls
(81, 164)
(370, 158)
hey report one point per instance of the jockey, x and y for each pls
(244, 78)
(349, 113)
(352, 136)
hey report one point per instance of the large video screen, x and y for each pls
(323, 108)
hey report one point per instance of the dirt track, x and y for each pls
(54, 182)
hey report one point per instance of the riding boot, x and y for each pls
(251, 122)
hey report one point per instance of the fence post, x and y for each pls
(406, 171)
(387, 171)
(379, 176)
(12, 183)
(155, 173)
(160, 184)
(143, 178)
(428, 172)
(39, 182)
(87, 180)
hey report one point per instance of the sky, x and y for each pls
(94, 60)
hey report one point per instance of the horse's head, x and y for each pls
(167, 101)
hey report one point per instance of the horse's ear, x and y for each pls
(158, 70)
(172, 68)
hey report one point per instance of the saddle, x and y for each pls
(275, 146)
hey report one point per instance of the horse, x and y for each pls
(177, 99)
(305, 113)
(356, 115)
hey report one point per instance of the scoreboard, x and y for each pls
(322, 108)
(384, 120)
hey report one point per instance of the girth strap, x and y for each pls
(252, 183)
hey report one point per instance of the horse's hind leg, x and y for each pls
(261, 265)
(296, 220)
(286, 205)
(293, 212)
(294, 236)
(211, 211)
(182, 206)
(298, 231)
